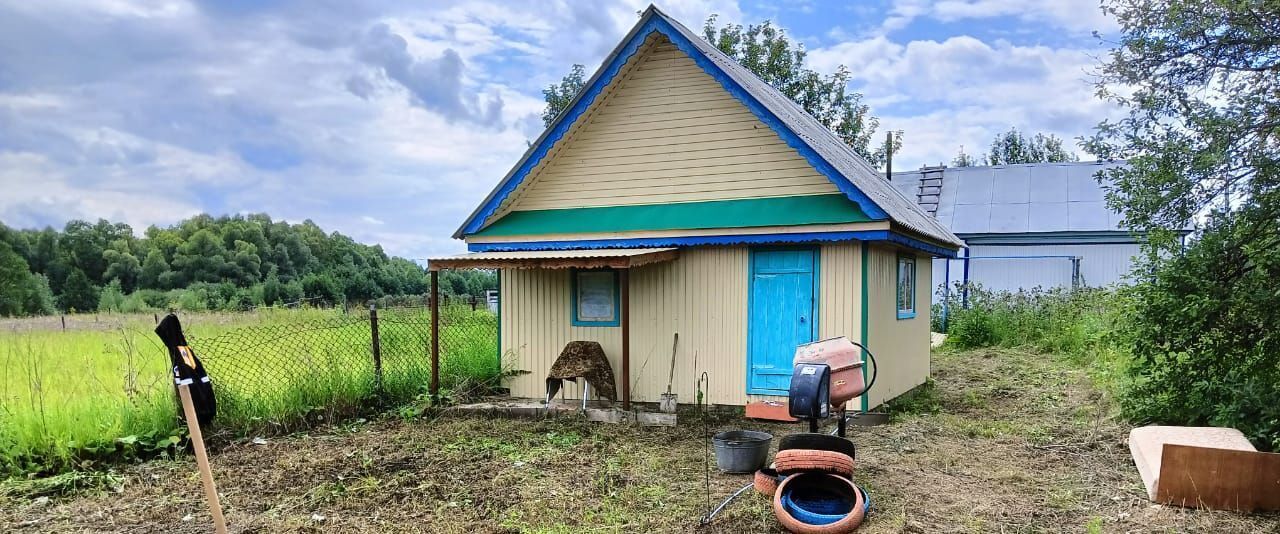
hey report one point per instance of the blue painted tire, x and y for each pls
(819, 503)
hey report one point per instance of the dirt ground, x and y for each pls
(1006, 442)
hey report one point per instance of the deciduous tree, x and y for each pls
(1201, 84)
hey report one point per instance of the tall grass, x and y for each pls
(1059, 320)
(1083, 325)
(69, 399)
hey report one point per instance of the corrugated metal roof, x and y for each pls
(555, 259)
(1025, 198)
(554, 254)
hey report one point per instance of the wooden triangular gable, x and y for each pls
(665, 131)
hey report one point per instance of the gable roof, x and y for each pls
(830, 156)
(1018, 199)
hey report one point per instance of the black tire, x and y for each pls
(821, 442)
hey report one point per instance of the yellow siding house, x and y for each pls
(680, 194)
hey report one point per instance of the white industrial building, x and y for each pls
(1030, 225)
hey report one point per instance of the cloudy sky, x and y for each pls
(389, 121)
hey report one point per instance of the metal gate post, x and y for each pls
(946, 292)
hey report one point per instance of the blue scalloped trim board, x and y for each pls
(658, 25)
(691, 241)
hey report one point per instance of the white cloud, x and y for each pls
(1073, 15)
(372, 220)
(37, 193)
(962, 91)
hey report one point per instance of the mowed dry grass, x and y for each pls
(1007, 442)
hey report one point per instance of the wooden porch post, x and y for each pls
(625, 318)
(435, 335)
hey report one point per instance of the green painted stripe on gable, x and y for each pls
(779, 211)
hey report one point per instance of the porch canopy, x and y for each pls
(622, 259)
(616, 258)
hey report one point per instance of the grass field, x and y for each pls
(1005, 441)
(101, 389)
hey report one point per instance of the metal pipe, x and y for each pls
(946, 291)
(712, 514)
(1035, 256)
(888, 155)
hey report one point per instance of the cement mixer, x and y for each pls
(828, 374)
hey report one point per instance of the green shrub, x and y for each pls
(111, 298)
(153, 298)
(190, 300)
(1204, 331)
(135, 303)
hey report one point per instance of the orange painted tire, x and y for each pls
(792, 461)
(848, 523)
(766, 481)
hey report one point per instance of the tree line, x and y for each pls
(202, 263)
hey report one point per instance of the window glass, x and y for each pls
(596, 296)
(906, 287)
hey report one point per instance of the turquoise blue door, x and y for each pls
(781, 315)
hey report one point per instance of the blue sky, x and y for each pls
(389, 121)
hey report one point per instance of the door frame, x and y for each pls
(816, 250)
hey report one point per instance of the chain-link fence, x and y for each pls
(297, 373)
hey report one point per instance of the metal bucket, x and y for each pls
(741, 451)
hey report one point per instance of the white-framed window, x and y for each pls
(595, 297)
(906, 287)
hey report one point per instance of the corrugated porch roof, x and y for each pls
(617, 258)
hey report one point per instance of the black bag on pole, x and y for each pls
(187, 369)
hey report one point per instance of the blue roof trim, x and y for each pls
(692, 241)
(659, 25)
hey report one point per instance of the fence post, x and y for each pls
(1075, 273)
(64, 323)
(377, 347)
(435, 336)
